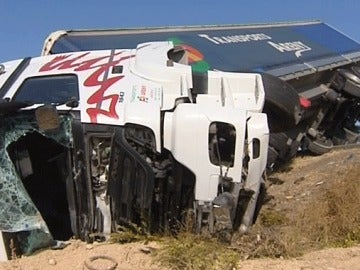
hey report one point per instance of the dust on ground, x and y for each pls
(288, 189)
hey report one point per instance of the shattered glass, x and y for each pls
(17, 211)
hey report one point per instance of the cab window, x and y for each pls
(48, 89)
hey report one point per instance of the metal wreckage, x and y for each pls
(181, 123)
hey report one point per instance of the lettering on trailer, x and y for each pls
(100, 78)
(235, 38)
(296, 46)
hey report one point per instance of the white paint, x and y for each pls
(3, 255)
(295, 46)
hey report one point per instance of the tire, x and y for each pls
(320, 146)
(278, 141)
(356, 70)
(350, 75)
(272, 158)
(352, 82)
(282, 104)
(280, 150)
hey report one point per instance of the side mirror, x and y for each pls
(72, 102)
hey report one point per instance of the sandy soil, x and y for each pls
(134, 256)
(74, 256)
(330, 259)
(295, 184)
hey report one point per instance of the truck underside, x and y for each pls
(331, 117)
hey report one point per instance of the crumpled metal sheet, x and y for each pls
(17, 211)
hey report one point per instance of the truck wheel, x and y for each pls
(281, 149)
(277, 149)
(352, 83)
(272, 158)
(278, 141)
(319, 146)
(282, 104)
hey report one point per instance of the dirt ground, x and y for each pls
(288, 188)
(294, 186)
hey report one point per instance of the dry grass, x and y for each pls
(129, 234)
(269, 218)
(196, 252)
(333, 217)
(275, 241)
(330, 218)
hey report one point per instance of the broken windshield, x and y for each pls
(18, 212)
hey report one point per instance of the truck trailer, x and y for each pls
(315, 63)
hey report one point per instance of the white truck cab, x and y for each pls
(96, 139)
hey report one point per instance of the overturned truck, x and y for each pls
(158, 127)
(93, 140)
